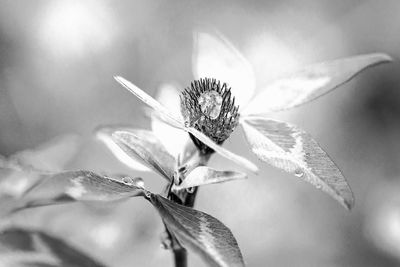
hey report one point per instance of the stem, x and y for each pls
(180, 254)
(180, 257)
(190, 198)
(187, 199)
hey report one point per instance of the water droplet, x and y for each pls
(177, 178)
(182, 169)
(299, 173)
(127, 180)
(166, 242)
(210, 104)
(190, 190)
(147, 194)
(137, 181)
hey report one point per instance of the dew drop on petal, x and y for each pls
(299, 173)
(165, 241)
(190, 190)
(127, 180)
(210, 104)
(137, 181)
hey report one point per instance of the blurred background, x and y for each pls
(57, 61)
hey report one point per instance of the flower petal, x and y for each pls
(151, 102)
(204, 175)
(105, 135)
(172, 138)
(216, 57)
(310, 83)
(294, 151)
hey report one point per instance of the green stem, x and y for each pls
(180, 254)
(187, 199)
(180, 257)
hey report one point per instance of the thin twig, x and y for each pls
(180, 257)
(185, 198)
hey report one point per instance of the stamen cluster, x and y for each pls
(209, 107)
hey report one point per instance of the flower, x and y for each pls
(208, 106)
(278, 143)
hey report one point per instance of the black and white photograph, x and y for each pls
(199, 133)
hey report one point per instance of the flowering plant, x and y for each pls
(220, 99)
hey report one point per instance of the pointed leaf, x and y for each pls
(216, 57)
(292, 150)
(148, 100)
(144, 145)
(23, 247)
(204, 175)
(222, 151)
(310, 83)
(200, 232)
(72, 186)
(104, 134)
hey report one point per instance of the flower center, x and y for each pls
(210, 104)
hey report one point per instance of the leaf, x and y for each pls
(200, 232)
(310, 83)
(222, 151)
(284, 146)
(144, 145)
(204, 175)
(22, 247)
(148, 100)
(104, 134)
(216, 57)
(72, 186)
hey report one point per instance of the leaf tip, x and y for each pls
(377, 59)
(121, 80)
(255, 169)
(384, 58)
(250, 166)
(349, 203)
(117, 78)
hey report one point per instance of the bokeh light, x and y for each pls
(74, 28)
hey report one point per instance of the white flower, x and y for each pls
(277, 143)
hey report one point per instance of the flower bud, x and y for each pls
(209, 107)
